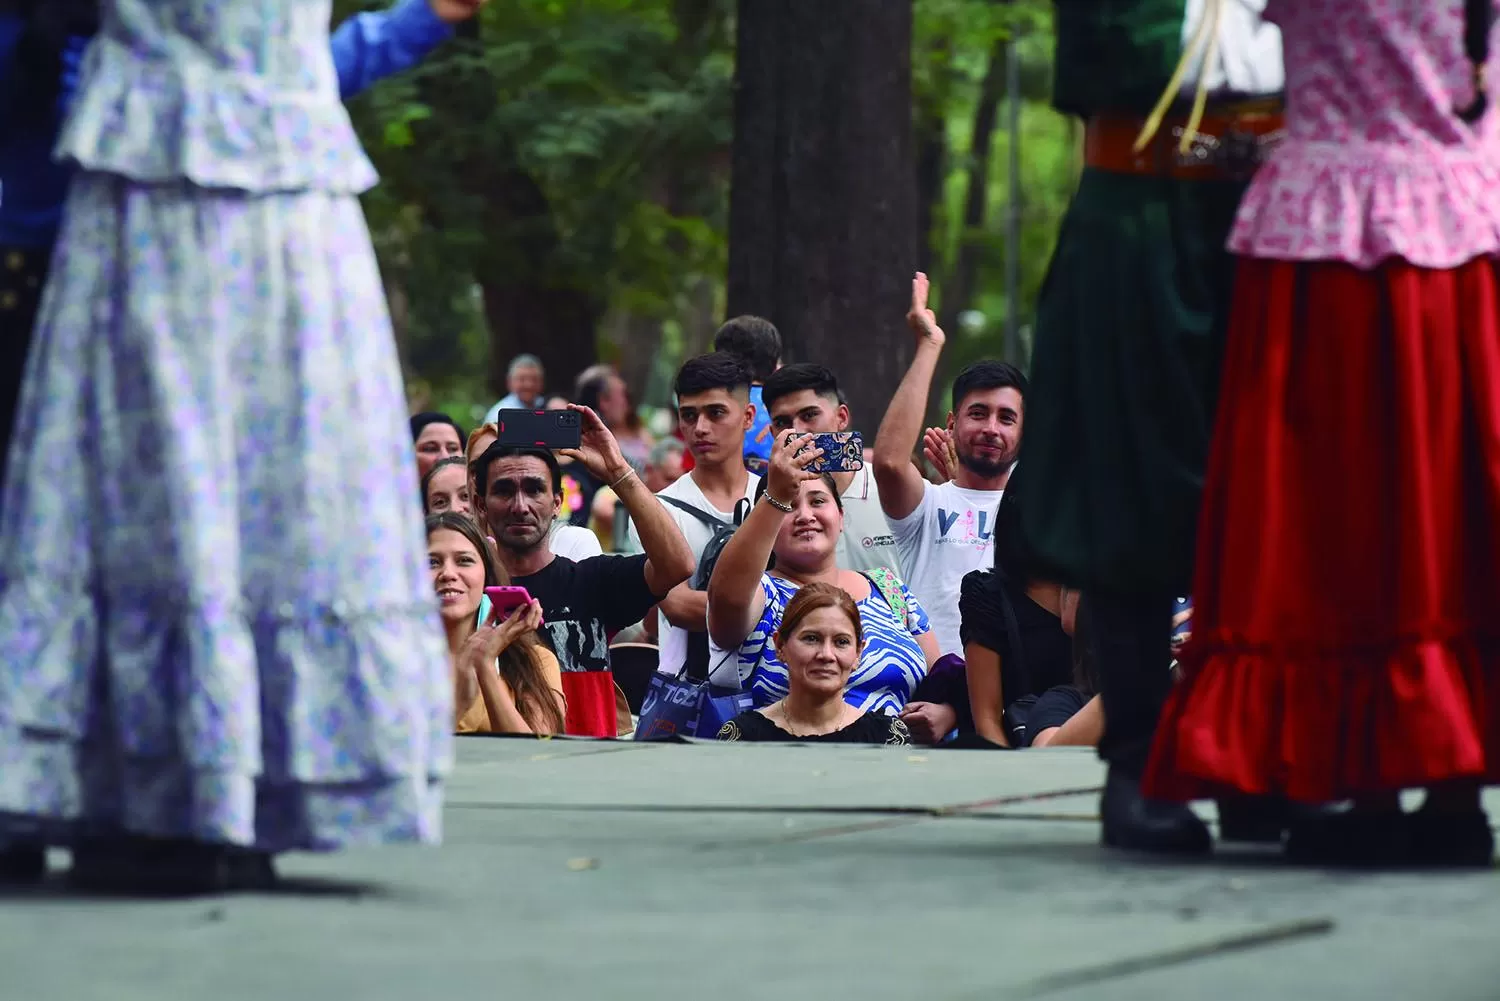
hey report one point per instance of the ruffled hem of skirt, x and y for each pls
(1320, 726)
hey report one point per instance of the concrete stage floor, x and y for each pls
(581, 870)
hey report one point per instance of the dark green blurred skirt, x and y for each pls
(1129, 336)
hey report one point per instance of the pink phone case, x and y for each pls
(507, 599)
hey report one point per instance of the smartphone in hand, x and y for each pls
(843, 452)
(507, 599)
(551, 429)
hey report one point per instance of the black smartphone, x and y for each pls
(843, 452)
(539, 428)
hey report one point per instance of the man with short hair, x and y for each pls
(805, 397)
(523, 385)
(945, 531)
(582, 603)
(713, 413)
(756, 342)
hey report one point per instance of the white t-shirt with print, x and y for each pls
(951, 532)
(866, 542)
(670, 639)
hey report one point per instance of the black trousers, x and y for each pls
(1131, 641)
(22, 275)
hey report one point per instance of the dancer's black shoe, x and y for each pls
(1135, 823)
(1449, 839)
(22, 864)
(152, 867)
(1351, 838)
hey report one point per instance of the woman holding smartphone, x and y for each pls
(794, 529)
(504, 681)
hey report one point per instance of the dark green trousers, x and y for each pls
(1129, 337)
(1130, 334)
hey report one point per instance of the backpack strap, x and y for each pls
(703, 517)
(889, 585)
(696, 665)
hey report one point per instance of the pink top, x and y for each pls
(1375, 163)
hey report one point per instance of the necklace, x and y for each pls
(791, 727)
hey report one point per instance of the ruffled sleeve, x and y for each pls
(158, 109)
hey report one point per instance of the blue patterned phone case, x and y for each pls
(843, 452)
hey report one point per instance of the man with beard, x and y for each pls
(945, 531)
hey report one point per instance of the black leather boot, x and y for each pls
(1451, 839)
(1351, 838)
(150, 867)
(1135, 823)
(22, 863)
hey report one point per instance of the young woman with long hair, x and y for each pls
(504, 680)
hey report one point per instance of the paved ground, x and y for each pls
(622, 871)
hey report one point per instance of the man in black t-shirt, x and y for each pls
(583, 602)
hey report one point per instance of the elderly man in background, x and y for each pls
(523, 385)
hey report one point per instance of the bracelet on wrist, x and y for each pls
(781, 506)
(623, 477)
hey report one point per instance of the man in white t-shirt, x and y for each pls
(714, 412)
(944, 532)
(806, 397)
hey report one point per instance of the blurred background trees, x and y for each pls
(559, 181)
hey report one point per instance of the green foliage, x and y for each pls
(583, 145)
(615, 114)
(957, 42)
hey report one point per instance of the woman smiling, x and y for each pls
(504, 681)
(820, 639)
(795, 526)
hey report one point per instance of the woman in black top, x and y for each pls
(1017, 636)
(819, 640)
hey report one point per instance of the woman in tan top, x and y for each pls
(504, 680)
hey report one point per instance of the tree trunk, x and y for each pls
(957, 294)
(822, 219)
(932, 168)
(526, 306)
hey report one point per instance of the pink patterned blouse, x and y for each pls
(1375, 163)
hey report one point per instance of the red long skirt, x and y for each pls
(1346, 613)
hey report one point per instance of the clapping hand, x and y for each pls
(937, 445)
(1180, 618)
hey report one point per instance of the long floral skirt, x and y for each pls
(214, 609)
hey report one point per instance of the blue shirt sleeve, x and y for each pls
(370, 47)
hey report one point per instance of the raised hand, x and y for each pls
(791, 454)
(597, 448)
(919, 318)
(456, 11)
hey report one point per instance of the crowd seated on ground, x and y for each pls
(701, 562)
